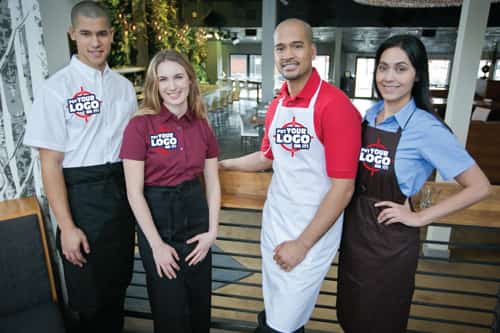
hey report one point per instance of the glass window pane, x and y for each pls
(322, 64)
(438, 72)
(255, 68)
(496, 76)
(364, 77)
(238, 66)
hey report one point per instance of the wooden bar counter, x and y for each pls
(486, 213)
(247, 190)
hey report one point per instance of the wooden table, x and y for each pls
(486, 213)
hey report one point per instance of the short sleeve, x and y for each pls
(46, 124)
(442, 149)
(133, 98)
(212, 145)
(265, 146)
(134, 143)
(341, 137)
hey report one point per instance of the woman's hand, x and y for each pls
(166, 260)
(205, 240)
(396, 213)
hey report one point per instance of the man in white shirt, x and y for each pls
(77, 123)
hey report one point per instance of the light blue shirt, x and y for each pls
(425, 144)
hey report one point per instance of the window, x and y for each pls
(364, 77)
(481, 64)
(438, 72)
(238, 66)
(255, 67)
(496, 76)
(322, 64)
(245, 66)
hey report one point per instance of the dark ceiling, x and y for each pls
(324, 13)
(346, 13)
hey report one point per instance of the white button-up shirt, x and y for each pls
(81, 112)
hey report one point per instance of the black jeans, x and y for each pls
(181, 305)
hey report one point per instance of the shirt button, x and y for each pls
(182, 149)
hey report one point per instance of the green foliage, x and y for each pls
(124, 37)
(162, 29)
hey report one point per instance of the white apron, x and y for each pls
(297, 188)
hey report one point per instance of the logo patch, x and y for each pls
(293, 137)
(375, 157)
(165, 141)
(84, 104)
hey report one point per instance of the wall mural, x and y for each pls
(23, 66)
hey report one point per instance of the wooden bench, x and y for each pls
(246, 190)
(450, 297)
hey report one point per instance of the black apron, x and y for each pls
(180, 305)
(99, 206)
(377, 263)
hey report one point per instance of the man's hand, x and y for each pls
(289, 254)
(72, 241)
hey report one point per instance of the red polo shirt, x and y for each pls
(336, 121)
(174, 150)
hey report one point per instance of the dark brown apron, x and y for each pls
(377, 263)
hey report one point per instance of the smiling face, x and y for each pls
(173, 86)
(93, 37)
(395, 76)
(293, 52)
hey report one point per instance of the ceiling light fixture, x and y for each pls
(413, 3)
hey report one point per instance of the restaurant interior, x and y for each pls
(230, 46)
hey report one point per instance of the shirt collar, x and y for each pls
(307, 91)
(86, 69)
(189, 115)
(401, 116)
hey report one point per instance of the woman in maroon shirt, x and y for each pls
(165, 148)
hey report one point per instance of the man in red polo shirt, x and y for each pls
(312, 141)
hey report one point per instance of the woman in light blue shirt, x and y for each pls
(403, 142)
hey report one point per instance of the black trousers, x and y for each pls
(99, 206)
(181, 305)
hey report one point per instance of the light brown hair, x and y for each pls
(152, 99)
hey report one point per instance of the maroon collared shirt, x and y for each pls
(173, 150)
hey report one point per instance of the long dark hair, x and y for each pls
(415, 50)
